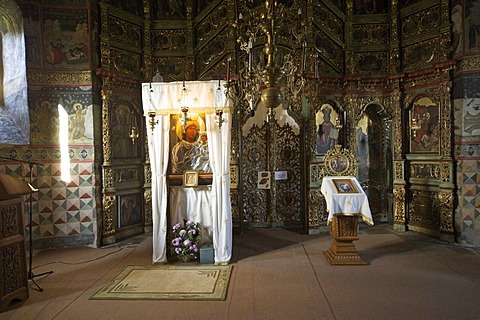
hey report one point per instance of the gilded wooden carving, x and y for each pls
(108, 177)
(446, 172)
(399, 204)
(316, 209)
(328, 21)
(147, 196)
(419, 23)
(109, 205)
(371, 34)
(398, 170)
(446, 212)
(107, 152)
(126, 62)
(125, 32)
(425, 171)
(174, 40)
(420, 55)
(424, 208)
(339, 162)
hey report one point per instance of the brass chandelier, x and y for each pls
(272, 76)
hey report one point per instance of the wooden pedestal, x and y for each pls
(342, 251)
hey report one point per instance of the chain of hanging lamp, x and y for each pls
(274, 76)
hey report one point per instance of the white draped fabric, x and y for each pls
(163, 99)
(219, 150)
(193, 204)
(158, 150)
(348, 203)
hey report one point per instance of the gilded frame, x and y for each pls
(344, 185)
(190, 178)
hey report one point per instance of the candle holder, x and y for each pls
(152, 120)
(276, 78)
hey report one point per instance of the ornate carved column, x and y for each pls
(447, 184)
(108, 199)
(399, 192)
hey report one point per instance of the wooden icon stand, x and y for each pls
(342, 251)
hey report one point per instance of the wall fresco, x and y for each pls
(65, 39)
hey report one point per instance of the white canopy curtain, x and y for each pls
(164, 99)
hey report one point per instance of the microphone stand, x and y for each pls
(30, 274)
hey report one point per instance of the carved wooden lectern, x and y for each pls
(13, 267)
(346, 202)
(342, 251)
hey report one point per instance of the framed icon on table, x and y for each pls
(345, 186)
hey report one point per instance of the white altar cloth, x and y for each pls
(193, 203)
(349, 204)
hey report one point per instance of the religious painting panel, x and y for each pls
(188, 143)
(458, 32)
(130, 210)
(66, 42)
(472, 25)
(344, 186)
(122, 123)
(362, 148)
(327, 121)
(424, 127)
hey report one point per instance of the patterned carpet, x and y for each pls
(168, 282)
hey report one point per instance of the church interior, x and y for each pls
(394, 84)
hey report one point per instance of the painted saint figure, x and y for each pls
(327, 134)
(188, 153)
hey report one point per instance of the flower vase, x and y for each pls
(186, 259)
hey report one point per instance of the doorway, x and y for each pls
(374, 158)
(272, 174)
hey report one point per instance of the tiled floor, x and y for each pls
(277, 274)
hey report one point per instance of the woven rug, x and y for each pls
(168, 282)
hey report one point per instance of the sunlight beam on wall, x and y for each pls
(63, 139)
